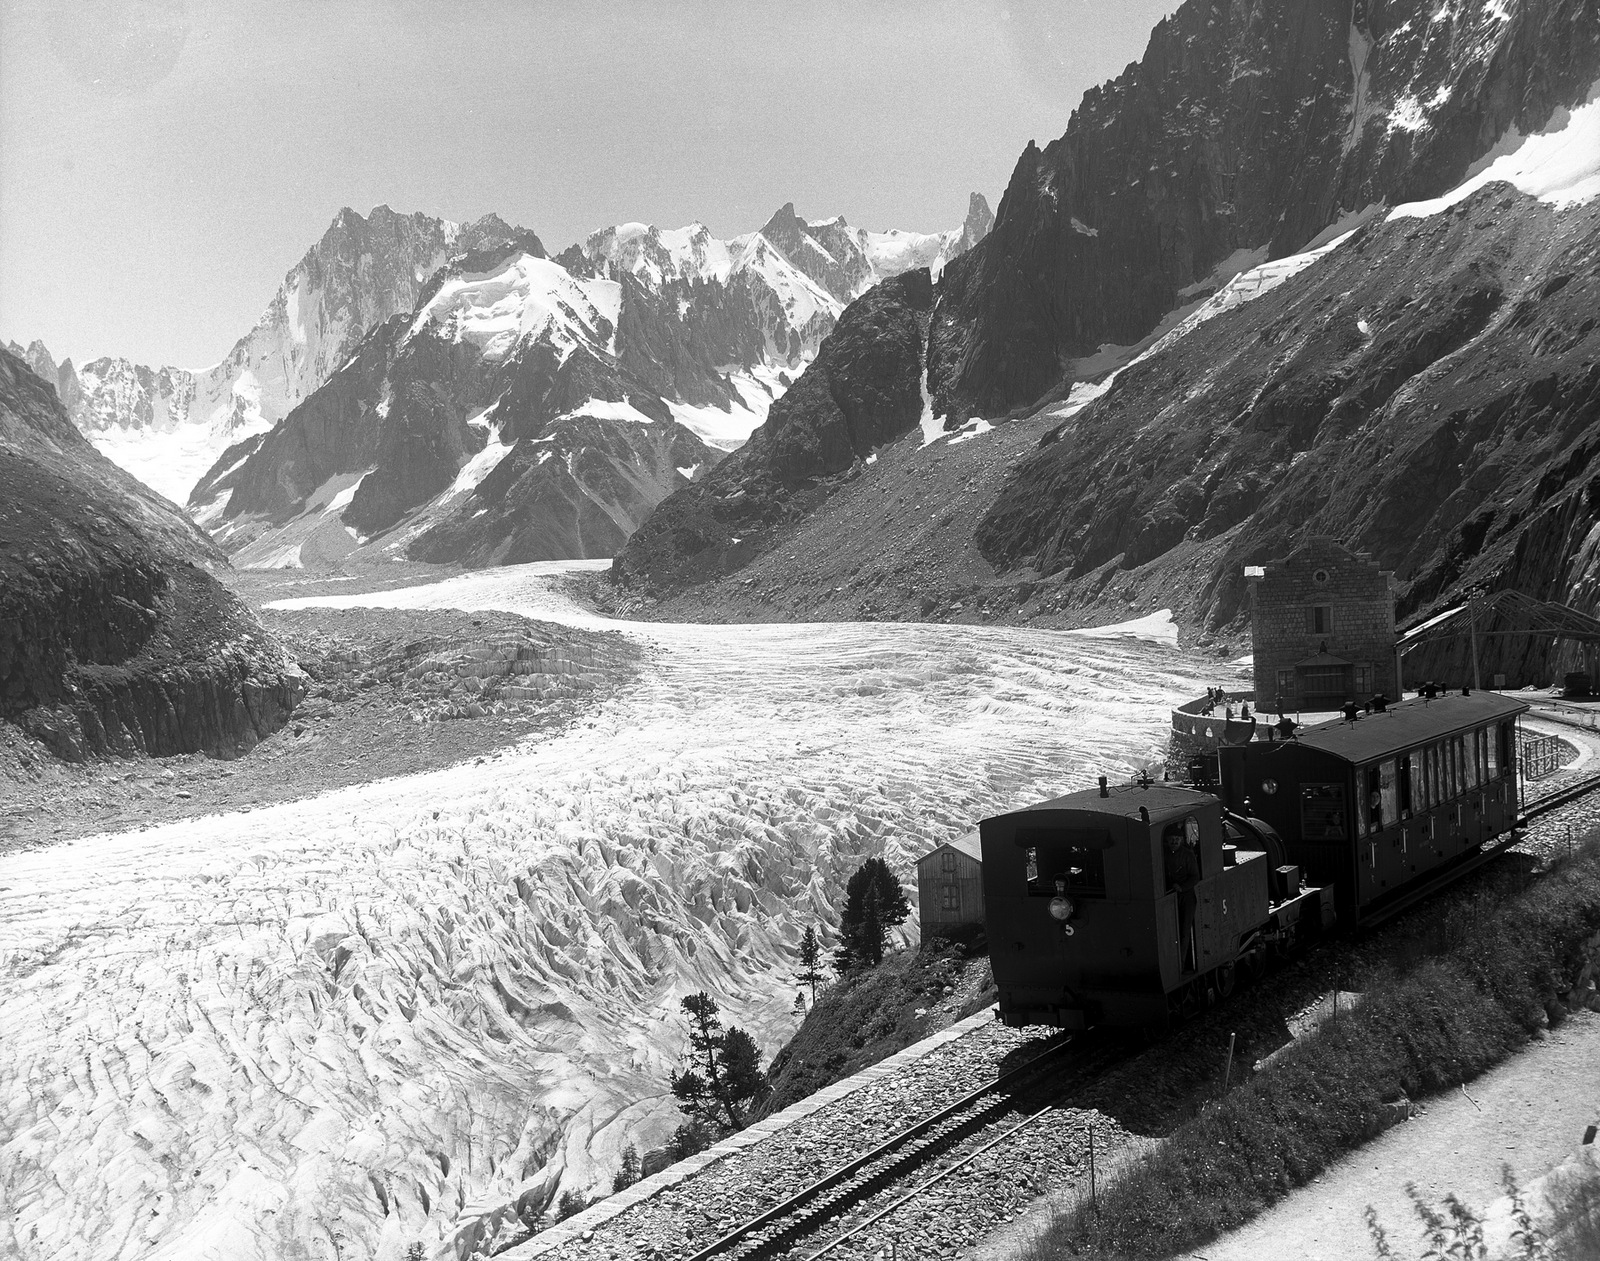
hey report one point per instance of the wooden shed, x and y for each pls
(950, 885)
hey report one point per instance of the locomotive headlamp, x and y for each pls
(1061, 907)
(1269, 786)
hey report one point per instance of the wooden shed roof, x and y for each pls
(970, 845)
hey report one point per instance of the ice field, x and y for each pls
(342, 1025)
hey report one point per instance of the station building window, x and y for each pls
(1319, 619)
(952, 897)
(947, 861)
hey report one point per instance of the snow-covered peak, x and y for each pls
(657, 255)
(524, 298)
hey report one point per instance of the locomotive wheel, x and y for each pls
(1226, 977)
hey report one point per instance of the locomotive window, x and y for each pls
(1322, 812)
(1073, 868)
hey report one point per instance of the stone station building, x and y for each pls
(1323, 625)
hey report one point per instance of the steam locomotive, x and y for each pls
(1127, 905)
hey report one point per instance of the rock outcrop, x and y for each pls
(114, 638)
(864, 389)
(1246, 127)
(1428, 392)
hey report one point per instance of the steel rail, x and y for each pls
(804, 1206)
(931, 1182)
(1546, 802)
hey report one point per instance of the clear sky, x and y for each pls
(164, 162)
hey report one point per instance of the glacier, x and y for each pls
(356, 1020)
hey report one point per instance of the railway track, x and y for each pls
(776, 1230)
(1546, 802)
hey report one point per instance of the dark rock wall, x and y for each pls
(1247, 123)
(863, 389)
(113, 639)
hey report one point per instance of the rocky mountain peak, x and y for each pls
(979, 222)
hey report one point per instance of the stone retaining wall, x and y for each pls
(574, 1228)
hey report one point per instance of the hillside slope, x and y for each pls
(113, 637)
(1201, 396)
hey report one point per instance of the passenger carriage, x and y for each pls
(1385, 808)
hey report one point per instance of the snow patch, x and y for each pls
(932, 426)
(610, 409)
(1083, 229)
(974, 428)
(1560, 167)
(1155, 628)
(480, 465)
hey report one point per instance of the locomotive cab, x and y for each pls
(1103, 904)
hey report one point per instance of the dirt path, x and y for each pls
(1529, 1113)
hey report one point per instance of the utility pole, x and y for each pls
(1472, 633)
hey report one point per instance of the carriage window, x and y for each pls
(1406, 791)
(1474, 746)
(1491, 751)
(1387, 791)
(1322, 812)
(1366, 798)
(1508, 747)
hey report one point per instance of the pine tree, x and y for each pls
(811, 961)
(630, 1171)
(723, 1078)
(874, 903)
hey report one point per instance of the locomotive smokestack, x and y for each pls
(1103, 791)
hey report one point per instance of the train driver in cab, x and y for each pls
(1182, 845)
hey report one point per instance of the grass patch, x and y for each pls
(1428, 1028)
(869, 1015)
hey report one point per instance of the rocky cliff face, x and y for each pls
(113, 637)
(1246, 128)
(863, 390)
(453, 434)
(1428, 391)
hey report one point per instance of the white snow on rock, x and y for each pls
(525, 298)
(612, 409)
(1155, 628)
(1560, 166)
(352, 1015)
